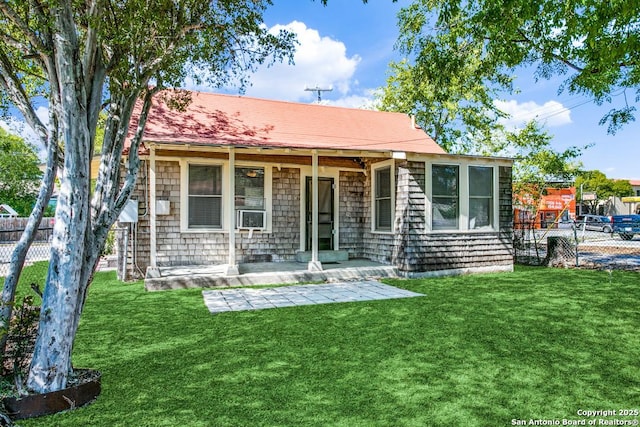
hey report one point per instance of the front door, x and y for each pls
(325, 213)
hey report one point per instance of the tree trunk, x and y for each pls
(560, 252)
(20, 252)
(78, 238)
(52, 356)
(51, 361)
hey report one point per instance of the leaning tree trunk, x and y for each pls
(20, 252)
(52, 356)
(51, 361)
(79, 239)
(560, 252)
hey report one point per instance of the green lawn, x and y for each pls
(475, 351)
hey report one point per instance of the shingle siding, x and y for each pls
(410, 246)
(352, 213)
(415, 251)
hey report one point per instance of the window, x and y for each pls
(249, 197)
(249, 188)
(444, 201)
(480, 197)
(383, 201)
(205, 196)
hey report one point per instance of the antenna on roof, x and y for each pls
(319, 90)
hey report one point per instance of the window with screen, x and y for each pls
(383, 200)
(480, 197)
(249, 188)
(205, 196)
(445, 206)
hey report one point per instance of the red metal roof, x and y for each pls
(215, 119)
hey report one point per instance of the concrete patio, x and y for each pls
(241, 299)
(271, 273)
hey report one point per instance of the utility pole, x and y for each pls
(581, 198)
(319, 90)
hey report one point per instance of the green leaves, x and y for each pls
(447, 80)
(536, 162)
(597, 182)
(20, 175)
(595, 44)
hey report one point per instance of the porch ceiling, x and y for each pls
(338, 160)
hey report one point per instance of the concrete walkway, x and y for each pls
(218, 301)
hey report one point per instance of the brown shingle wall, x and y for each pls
(377, 247)
(415, 251)
(410, 248)
(352, 213)
(176, 248)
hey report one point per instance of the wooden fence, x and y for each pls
(11, 229)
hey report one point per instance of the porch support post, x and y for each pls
(314, 264)
(153, 255)
(232, 267)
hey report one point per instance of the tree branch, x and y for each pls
(29, 35)
(557, 57)
(134, 146)
(93, 65)
(11, 85)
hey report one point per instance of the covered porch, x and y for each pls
(264, 273)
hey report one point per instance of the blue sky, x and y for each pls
(347, 45)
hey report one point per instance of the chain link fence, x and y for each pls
(561, 244)
(38, 255)
(573, 244)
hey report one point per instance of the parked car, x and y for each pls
(594, 223)
(626, 225)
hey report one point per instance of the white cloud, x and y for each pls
(319, 60)
(364, 100)
(551, 113)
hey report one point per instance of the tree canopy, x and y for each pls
(105, 56)
(461, 55)
(536, 162)
(603, 188)
(20, 175)
(450, 96)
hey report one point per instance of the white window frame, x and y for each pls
(374, 168)
(461, 208)
(463, 197)
(268, 193)
(227, 198)
(494, 195)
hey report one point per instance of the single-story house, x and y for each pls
(231, 180)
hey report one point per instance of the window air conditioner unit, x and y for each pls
(252, 219)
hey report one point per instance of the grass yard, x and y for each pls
(475, 351)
